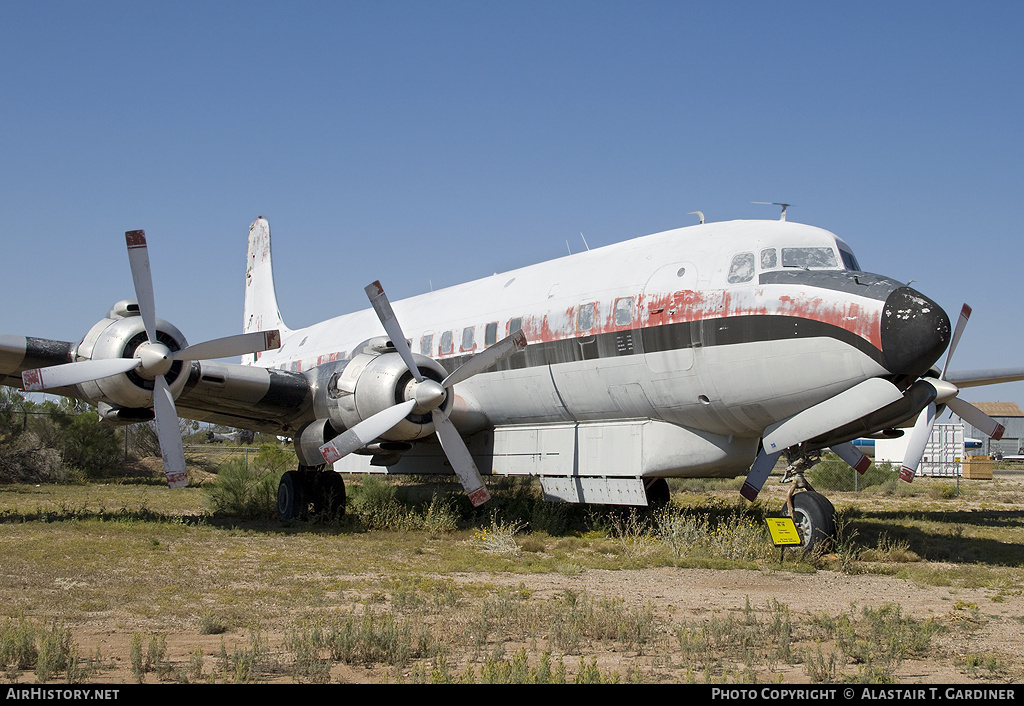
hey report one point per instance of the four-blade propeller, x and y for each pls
(945, 393)
(426, 395)
(152, 361)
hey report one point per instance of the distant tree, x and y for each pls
(24, 457)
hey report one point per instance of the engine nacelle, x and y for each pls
(118, 336)
(375, 379)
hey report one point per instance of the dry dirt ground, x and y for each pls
(677, 595)
(690, 595)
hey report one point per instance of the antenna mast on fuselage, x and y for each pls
(776, 203)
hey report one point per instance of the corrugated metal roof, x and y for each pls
(1000, 409)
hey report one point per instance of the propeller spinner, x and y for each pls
(152, 360)
(426, 395)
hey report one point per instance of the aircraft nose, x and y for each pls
(915, 331)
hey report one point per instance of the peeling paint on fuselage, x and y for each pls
(771, 375)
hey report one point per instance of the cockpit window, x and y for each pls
(810, 258)
(849, 261)
(769, 259)
(742, 268)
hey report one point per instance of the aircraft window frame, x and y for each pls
(849, 260)
(515, 324)
(447, 344)
(427, 344)
(769, 259)
(801, 257)
(491, 334)
(742, 268)
(468, 339)
(623, 311)
(585, 315)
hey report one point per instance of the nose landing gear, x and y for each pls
(813, 513)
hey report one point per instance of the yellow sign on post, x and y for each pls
(783, 531)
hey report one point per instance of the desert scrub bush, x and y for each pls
(581, 617)
(18, 649)
(735, 536)
(832, 473)
(46, 650)
(877, 641)
(244, 490)
(499, 537)
(369, 638)
(376, 506)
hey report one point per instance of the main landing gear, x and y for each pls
(812, 512)
(310, 493)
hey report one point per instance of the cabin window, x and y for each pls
(427, 344)
(468, 336)
(809, 258)
(769, 259)
(491, 333)
(446, 343)
(585, 317)
(624, 311)
(514, 325)
(742, 268)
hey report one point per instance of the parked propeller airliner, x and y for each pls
(706, 351)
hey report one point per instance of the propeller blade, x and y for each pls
(859, 401)
(919, 437)
(75, 373)
(142, 276)
(976, 418)
(758, 474)
(365, 431)
(462, 462)
(380, 303)
(231, 346)
(487, 358)
(958, 331)
(852, 455)
(169, 434)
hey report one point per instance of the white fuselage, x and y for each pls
(665, 327)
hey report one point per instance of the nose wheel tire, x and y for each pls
(814, 517)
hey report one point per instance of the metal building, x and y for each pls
(1008, 414)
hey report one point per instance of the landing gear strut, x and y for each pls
(310, 492)
(813, 513)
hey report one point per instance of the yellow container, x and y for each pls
(978, 467)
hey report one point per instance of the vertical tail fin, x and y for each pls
(261, 312)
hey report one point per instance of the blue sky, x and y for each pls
(431, 142)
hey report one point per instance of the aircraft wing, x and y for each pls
(246, 397)
(20, 353)
(975, 378)
(242, 396)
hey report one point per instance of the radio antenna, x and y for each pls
(776, 203)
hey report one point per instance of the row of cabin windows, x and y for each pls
(585, 321)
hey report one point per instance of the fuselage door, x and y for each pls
(669, 319)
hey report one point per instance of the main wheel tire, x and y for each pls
(814, 517)
(292, 502)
